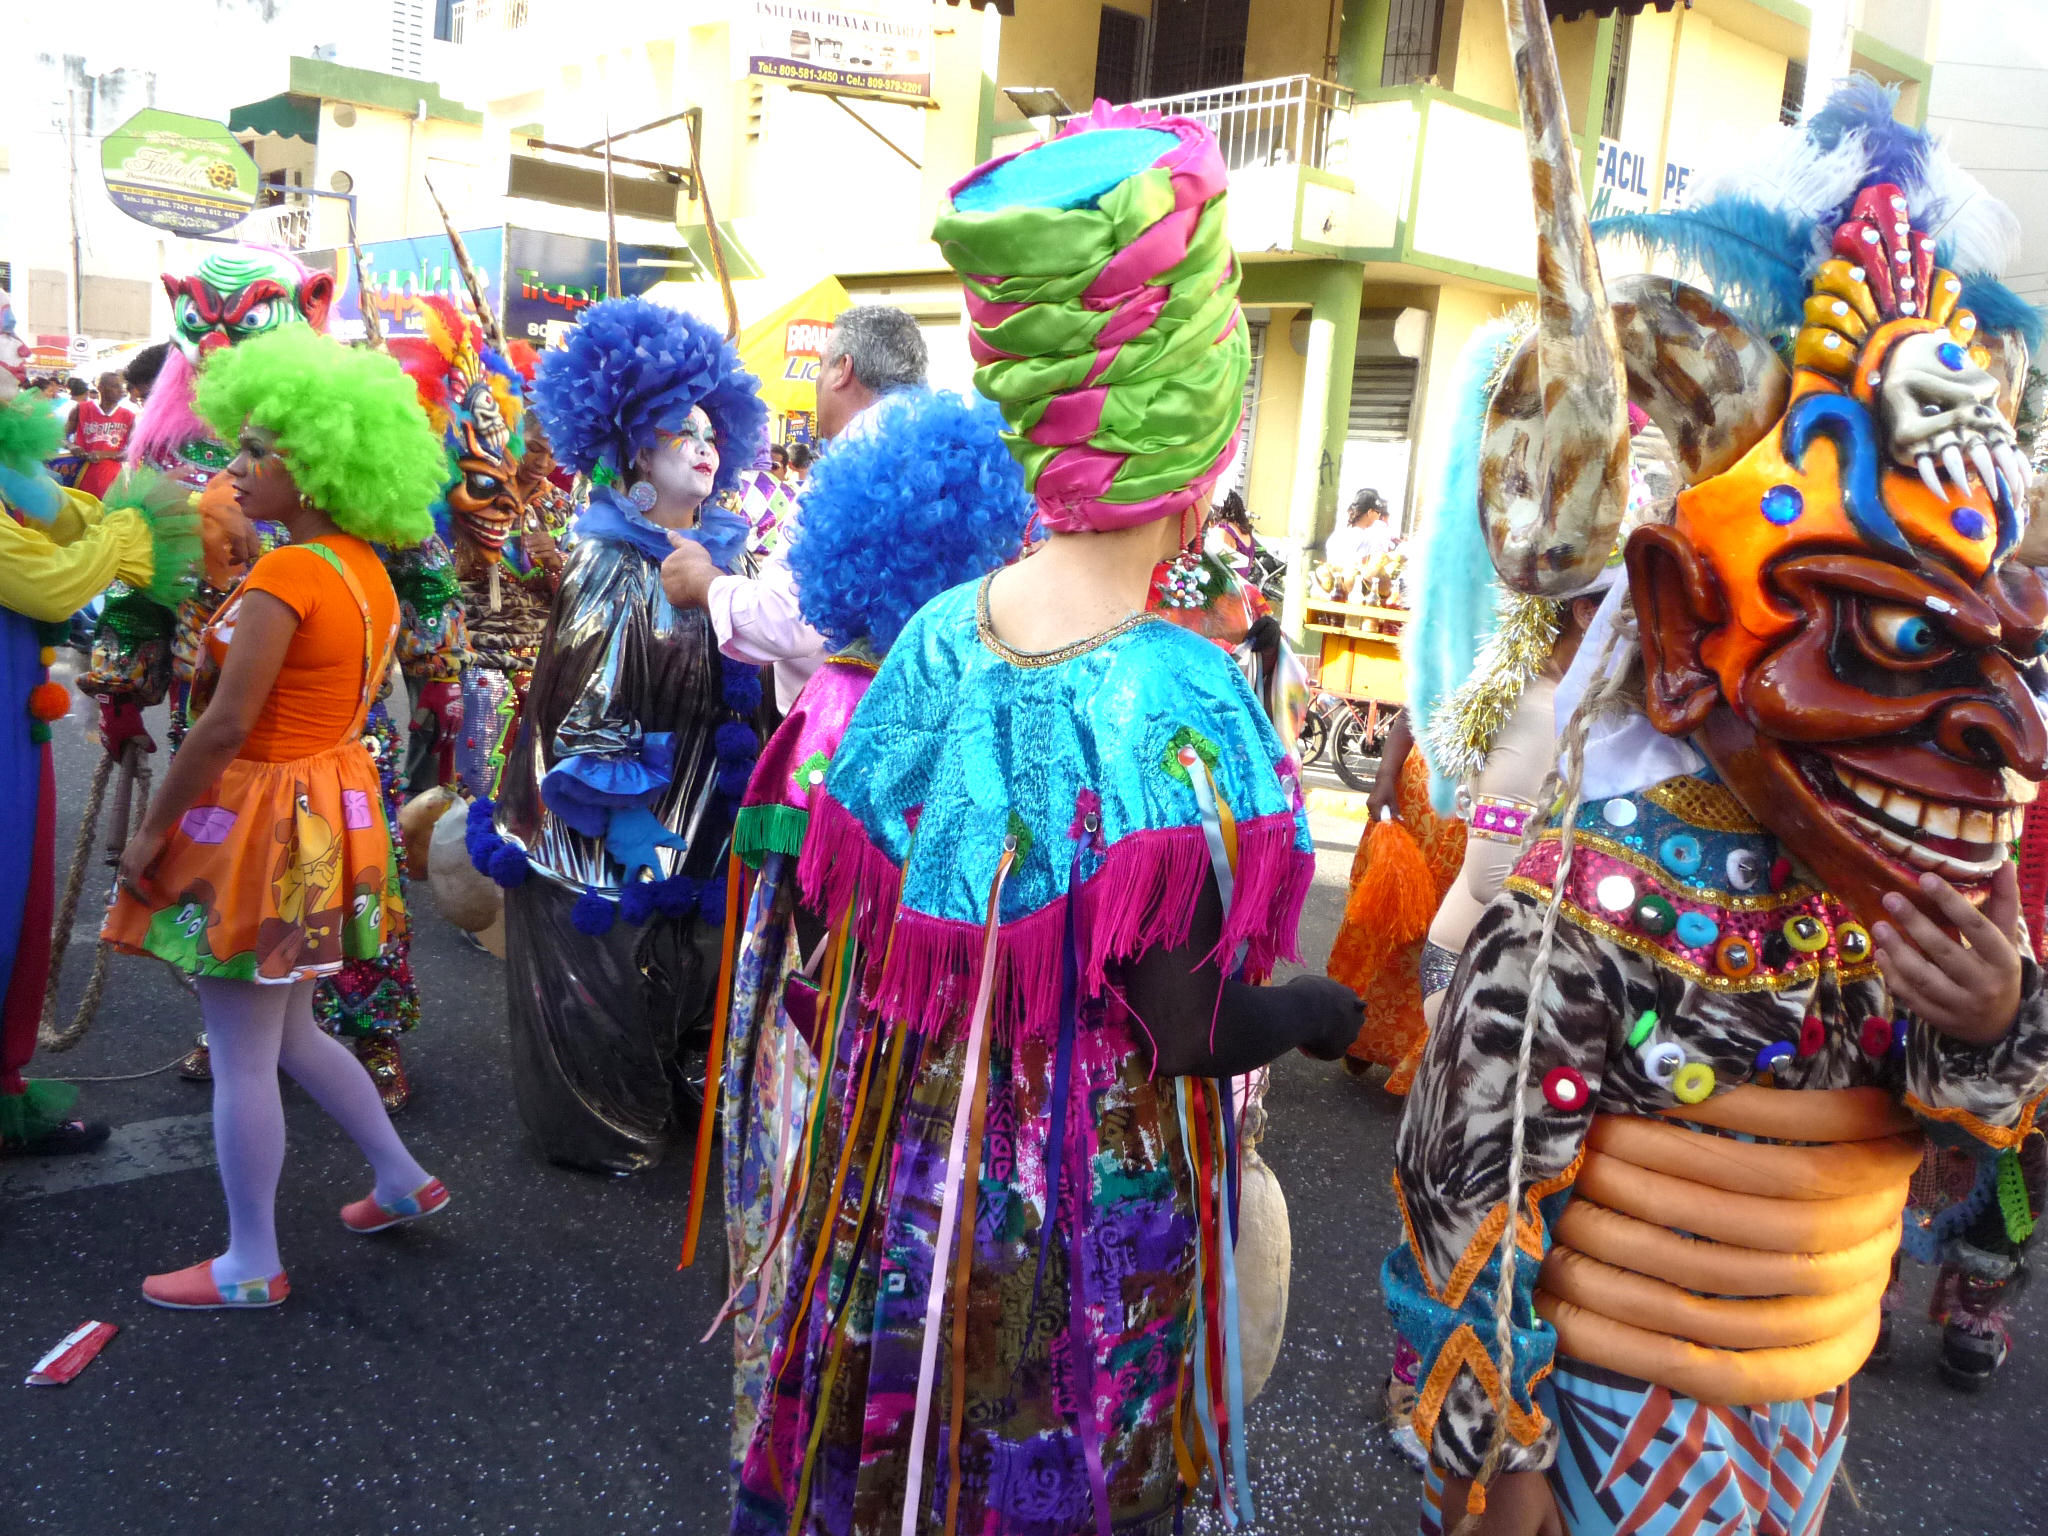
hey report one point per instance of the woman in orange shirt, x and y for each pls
(264, 861)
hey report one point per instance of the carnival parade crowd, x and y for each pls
(912, 835)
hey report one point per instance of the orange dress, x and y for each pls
(285, 869)
(1392, 988)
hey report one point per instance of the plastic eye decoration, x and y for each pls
(1661, 1062)
(1693, 1082)
(1696, 930)
(1680, 854)
(1813, 1035)
(1655, 916)
(1565, 1089)
(1746, 870)
(1806, 933)
(1901, 632)
(1774, 1056)
(1877, 1036)
(1852, 941)
(1734, 957)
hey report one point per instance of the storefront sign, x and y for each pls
(783, 348)
(404, 272)
(828, 48)
(1626, 180)
(183, 175)
(551, 279)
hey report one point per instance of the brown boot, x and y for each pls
(378, 1052)
(197, 1067)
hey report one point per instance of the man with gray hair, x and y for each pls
(871, 350)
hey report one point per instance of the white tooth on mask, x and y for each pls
(1942, 821)
(1979, 826)
(1928, 477)
(1902, 808)
(1958, 473)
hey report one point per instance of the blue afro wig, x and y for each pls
(634, 368)
(927, 499)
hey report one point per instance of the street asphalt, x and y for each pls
(532, 1361)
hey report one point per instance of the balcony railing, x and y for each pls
(1299, 120)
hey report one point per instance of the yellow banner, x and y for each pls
(782, 349)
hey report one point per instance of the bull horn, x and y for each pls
(1554, 461)
(1713, 385)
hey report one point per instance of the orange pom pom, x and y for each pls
(1397, 895)
(1475, 1499)
(49, 701)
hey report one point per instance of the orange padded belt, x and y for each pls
(1733, 1271)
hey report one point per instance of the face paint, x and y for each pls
(684, 463)
(1834, 619)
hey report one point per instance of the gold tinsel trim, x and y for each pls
(1711, 806)
(1461, 732)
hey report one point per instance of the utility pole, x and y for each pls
(77, 250)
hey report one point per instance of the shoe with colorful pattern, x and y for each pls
(196, 1290)
(368, 1215)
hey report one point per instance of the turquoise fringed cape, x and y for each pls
(956, 748)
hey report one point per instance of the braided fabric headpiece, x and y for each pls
(1102, 308)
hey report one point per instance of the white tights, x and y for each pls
(252, 1029)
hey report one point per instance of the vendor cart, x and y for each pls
(1359, 684)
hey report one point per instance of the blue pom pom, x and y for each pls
(508, 865)
(677, 896)
(482, 814)
(633, 367)
(636, 902)
(735, 743)
(927, 500)
(594, 914)
(732, 779)
(742, 688)
(482, 848)
(712, 907)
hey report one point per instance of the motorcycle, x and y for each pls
(1350, 736)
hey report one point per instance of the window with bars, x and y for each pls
(1119, 53)
(1414, 29)
(1197, 45)
(1617, 75)
(1794, 99)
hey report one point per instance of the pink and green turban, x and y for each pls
(1102, 309)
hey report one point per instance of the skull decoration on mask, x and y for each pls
(476, 398)
(1830, 616)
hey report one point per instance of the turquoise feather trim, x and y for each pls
(1456, 592)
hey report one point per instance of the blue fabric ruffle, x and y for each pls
(584, 790)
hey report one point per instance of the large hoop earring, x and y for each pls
(643, 496)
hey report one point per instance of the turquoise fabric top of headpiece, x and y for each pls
(1071, 172)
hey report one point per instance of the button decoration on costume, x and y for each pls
(1781, 872)
(1877, 1035)
(1774, 1056)
(1680, 853)
(1806, 933)
(1746, 870)
(1782, 504)
(1813, 1034)
(1899, 1033)
(1662, 1061)
(1696, 930)
(1615, 893)
(1774, 951)
(1656, 916)
(1640, 1030)
(1565, 1089)
(1852, 941)
(1693, 1082)
(1619, 813)
(1734, 956)
(1969, 522)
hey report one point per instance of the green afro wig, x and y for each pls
(348, 424)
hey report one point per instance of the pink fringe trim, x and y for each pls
(922, 970)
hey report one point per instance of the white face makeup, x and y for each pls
(683, 463)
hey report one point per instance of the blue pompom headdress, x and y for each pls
(926, 498)
(633, 368)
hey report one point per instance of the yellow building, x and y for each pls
(1379, 198)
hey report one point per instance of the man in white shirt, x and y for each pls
(1366, 532)
(871, 350)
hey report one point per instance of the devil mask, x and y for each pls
(1831, 615)
(243, 292)
(476, 399)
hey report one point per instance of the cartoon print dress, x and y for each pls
(285, 869)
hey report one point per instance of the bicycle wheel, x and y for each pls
(1353, 752)
(1314, 739)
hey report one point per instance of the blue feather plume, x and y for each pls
(1754, 256)
(1998, 309)
(1897, 153)
(633, 368)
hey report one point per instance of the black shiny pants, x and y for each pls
(600, 1026)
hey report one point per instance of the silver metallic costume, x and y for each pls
(598, 1019)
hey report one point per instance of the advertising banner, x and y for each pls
(403, 272)
(551, 279)
(783, 349)
(869, 52)
(183, 175)
(1626, 180)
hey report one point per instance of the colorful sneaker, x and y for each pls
(378, 1052)
(197, 1065)
(1975, 1336)
(367, 1215)
(195, 1290)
